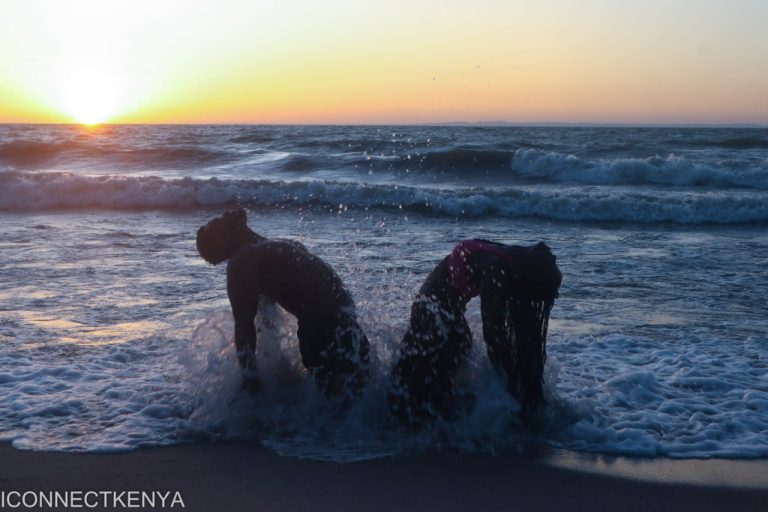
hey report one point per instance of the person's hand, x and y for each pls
(251, 384)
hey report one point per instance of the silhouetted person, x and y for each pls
(332, 345)
(517, 288)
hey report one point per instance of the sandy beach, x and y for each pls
(249, 477)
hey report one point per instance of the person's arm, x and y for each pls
(245, 303)
(244, 314)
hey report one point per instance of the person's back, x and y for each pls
(302, 283)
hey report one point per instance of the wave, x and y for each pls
(536, 165)
(25, 154)
(252, 138)
(30, 154)
(61, 190)
(506, 162)
(458, 162)
(657, 170)
(740, 143)
(460, 159)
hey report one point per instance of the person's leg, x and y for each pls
(423, 378)
(450, 400)
(336, 351)
(313, 339)
(346, 367)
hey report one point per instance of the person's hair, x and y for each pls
(530, 322)
(537, 288)
(219, 238)
(539, 277)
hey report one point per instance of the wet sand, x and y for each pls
(236, 477)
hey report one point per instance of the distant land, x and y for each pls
(596, 125)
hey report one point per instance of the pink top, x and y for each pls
(457, 264)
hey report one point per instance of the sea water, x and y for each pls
(115, 334)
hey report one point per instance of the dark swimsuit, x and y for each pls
(457, 264)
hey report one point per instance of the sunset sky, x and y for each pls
(394, 61)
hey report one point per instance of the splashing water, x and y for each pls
(290, 415)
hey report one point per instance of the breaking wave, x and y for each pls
(657, 170)
(536, 165)
(60, 190)
(244, 151)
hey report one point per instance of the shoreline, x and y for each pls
(248, 476)
(712, 472)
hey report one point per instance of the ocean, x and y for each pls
(115, 334)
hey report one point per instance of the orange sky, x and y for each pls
(298, 61)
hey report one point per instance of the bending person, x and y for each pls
(333, 347)
(517, 288)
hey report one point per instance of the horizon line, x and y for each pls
(488, 124)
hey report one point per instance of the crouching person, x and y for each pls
(333, 347)
(517, 287)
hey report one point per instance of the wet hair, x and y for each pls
(219, 238)
(537, 288)
(538, 276)
(529, 322)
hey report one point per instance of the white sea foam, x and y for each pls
(672, 400)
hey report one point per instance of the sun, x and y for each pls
(90, 96)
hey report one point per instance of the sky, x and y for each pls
(394, 61)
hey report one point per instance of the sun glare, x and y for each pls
(90, 97)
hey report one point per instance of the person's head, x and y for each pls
(218, 240)
(538, 276)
